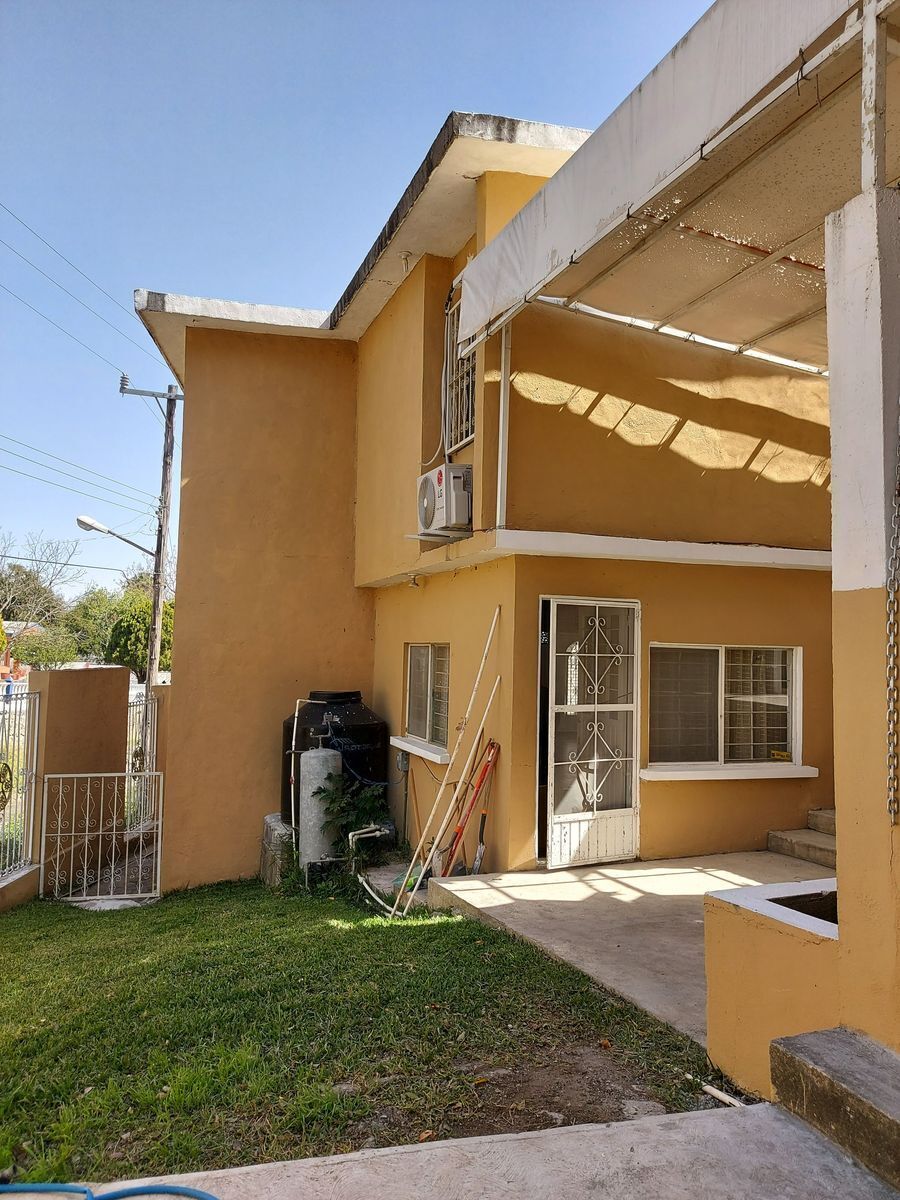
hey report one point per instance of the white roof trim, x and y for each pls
(167, 316)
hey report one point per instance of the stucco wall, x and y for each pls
(765, 979)
(623, 432)
(456, 608)
(266, 605)
(868, 846)
(711, 605)
(678, 603)
(398, 418)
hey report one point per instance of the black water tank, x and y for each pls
(341, 721)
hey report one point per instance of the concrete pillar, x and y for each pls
(862, 242)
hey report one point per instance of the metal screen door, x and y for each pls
(592, 760)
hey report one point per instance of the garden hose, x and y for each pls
(77, 1189)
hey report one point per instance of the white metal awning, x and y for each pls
(698, 207)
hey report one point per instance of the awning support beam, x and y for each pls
(873, 90)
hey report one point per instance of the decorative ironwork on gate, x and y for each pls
(18, 771)
(100, 835)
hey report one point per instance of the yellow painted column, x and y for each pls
(863, 278)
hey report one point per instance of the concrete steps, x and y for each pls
(814, 844)
(848, 1087)
(821, 819)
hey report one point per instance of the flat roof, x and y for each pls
(435, 215)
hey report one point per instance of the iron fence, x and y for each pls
(18, 763)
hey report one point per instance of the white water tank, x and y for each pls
(315, 765)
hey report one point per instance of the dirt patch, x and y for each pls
(585, 1084)
(582, 1085)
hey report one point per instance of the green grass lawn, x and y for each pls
(234, 1025)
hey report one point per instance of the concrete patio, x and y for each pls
(756, 1153)
(636, 928)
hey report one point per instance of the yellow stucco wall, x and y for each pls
(765, 979)
(693, 604)
(678, 604)
(266, 606)
(499, 196)
(623, 432)
(868, 846)
(456, 608)
(398, 418)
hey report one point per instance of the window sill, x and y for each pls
(720, 771)
(420, 749)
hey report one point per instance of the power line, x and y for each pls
(78, 300)
(53, 562)
(50, 320)
(68, 262)
(68, 474)
(78, 466)
(65, 488)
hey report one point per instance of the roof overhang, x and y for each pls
(697, 209)
(437, 212)
(168, 316)
(435, 215)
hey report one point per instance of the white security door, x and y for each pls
(592, 759)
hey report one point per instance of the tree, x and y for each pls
(2, 635)
(46, 648)
(90, 621)
(31, 576)
(129, 638)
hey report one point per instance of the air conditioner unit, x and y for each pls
(445, 500)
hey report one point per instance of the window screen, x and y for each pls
(428, 692)
(757, 704)
(684, 704)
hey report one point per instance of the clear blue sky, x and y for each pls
(247, 149)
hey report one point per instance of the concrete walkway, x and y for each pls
(635, 927)
(757, 1153)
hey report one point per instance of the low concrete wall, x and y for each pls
(770, 972)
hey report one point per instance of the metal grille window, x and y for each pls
(459, 388)
(428, 692)
(721, 704)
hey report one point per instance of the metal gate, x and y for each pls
(134, 744)
(18, 771)
(100, 836)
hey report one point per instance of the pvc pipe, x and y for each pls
(459, 737)
(463, 782)
(723, 1097)
(294, 777)
(503, 429)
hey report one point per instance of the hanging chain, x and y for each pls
(893, 665)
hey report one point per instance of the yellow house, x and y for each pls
(598, 382)
(651, 517)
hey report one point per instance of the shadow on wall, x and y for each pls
(618, 432)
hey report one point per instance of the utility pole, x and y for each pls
(171, 397)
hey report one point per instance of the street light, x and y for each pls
(94, 526)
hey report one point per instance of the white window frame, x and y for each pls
(427, 742)
(795, 706)
(459, 427)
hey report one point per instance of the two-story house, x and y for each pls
(652, 517)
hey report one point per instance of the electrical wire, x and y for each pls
(77, 466)
(52, 562)
(78, 300)
(69, 262)
(68, 474)
(65, 488)
(50, 321)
